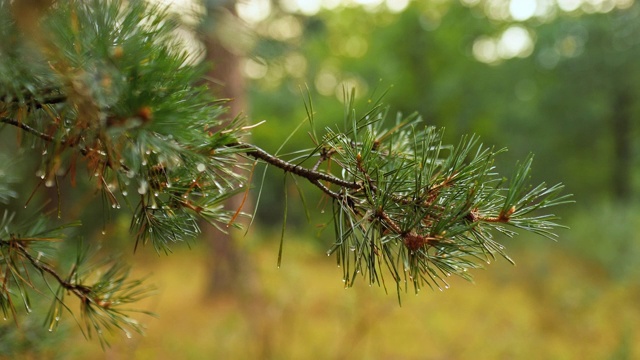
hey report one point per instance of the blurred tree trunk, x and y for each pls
(621, 126)
(227, 267)
(230, 272)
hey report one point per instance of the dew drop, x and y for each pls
(156, 194)
(446, 286)
(143, 187)
(201, 167)
(49, 183)
(40, 174)
(104, 232)
(114, 206)
(144, 162)
(321, 211)
(125, 193)
(96, 174)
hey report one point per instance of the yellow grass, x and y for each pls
(549, 306)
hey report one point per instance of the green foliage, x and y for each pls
(31, 340)
(421, 209)
(606, 234)
(562, 93)
(106, 90)
(106, 93)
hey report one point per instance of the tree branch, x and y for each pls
(83, 150)
(81, 291)
(313, 176)
(27, 128)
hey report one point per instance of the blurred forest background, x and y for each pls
(558, 78)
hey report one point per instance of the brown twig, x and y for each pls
(503, 217)
(312, 175)
(27, 128)
(81, 291)
(83, 150)
(411, 239)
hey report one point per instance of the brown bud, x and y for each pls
(145, 113)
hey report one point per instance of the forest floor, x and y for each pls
(549, 306)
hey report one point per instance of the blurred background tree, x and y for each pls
(522, 72)
(554, 77)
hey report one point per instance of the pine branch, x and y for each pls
(48, 138)
(313, 175)
(81, 291)
(27, 128)
(100, 302)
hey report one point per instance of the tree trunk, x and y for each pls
(227, 268)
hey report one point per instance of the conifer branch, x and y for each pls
(27, 128)
(81, 291)
(313, 175)
(48, 138)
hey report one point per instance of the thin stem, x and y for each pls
(328, 191)
(80, 291)
(51, 96)
(84, 151)
(313, 176)
(324, 155)
(26, 128)
(503, 217)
